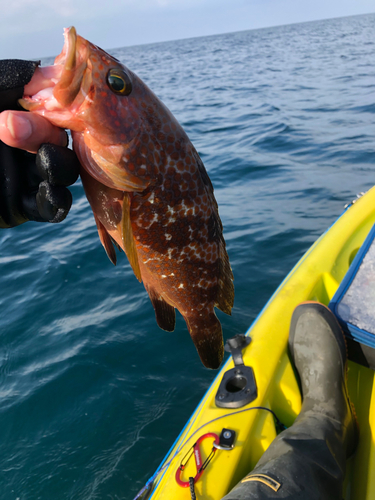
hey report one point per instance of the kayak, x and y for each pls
(255, 395)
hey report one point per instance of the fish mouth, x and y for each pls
(64, 84)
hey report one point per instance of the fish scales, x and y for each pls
(148, 189)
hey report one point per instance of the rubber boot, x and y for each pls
(307, 460)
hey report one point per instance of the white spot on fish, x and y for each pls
(181, 285)
(154, 257)
(168, 236)
(146, 224)
(151, 198)
(170, 212)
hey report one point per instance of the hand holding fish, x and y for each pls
(32, 186)
(147, 186)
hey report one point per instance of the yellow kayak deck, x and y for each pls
(316, 277)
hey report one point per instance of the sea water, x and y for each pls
(92, 392)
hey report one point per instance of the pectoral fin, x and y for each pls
(128, 238)
(105, 164)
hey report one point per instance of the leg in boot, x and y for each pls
(307, 461)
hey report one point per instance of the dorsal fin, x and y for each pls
(106, 241)
(165, 314)
(225, 296)
(128, 238)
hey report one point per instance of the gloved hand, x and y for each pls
(32, 186)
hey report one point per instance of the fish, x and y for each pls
(147, 186)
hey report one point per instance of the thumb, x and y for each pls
(23, 130)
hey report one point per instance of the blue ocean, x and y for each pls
(92, 392)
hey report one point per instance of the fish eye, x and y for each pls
(119, 82)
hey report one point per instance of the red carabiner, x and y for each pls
(198, 460)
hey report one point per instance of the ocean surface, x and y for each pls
(92, 392)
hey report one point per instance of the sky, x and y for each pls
(30, 29)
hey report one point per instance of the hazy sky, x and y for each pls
(33, 28)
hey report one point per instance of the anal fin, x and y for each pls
(165, 313)
(106, 241)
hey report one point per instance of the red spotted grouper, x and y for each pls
(146, 184)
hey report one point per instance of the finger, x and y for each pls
(49, 204)
(14, 74)
(23, 130)
(12, 182)
(53, 202)
(57, 165)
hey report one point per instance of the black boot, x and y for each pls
(307, 461)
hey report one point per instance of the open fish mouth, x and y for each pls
(63, 84)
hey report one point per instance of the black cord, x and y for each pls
(192, 492)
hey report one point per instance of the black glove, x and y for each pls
(32, 187)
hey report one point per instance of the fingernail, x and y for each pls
(19, 127)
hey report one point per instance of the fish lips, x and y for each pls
(74, 59)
